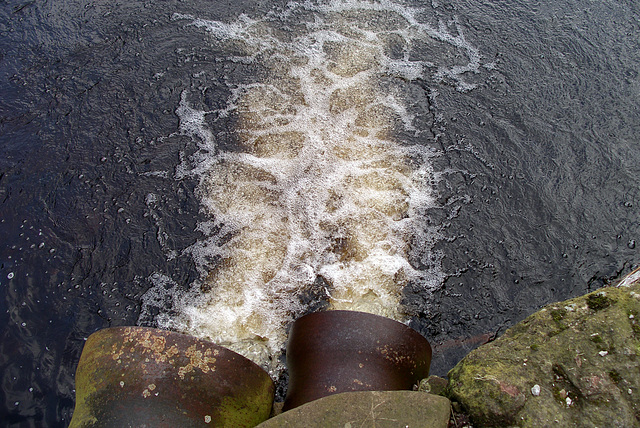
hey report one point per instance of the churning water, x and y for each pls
(222, 168)
(329, 179)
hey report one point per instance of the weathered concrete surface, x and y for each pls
(368, 409)
(573, 363)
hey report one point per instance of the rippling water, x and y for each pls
(454, 165)
(330, 176)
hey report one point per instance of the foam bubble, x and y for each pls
(320, 190)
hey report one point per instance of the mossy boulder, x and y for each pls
(573, 363)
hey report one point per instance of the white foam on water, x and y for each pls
(320, 187)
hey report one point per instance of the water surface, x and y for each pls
(528, 153)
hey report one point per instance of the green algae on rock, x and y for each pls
(573, 363)
(433, 385)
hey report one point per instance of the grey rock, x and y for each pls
(378, 409)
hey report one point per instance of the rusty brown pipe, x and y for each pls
(340, 351)
(139, 376)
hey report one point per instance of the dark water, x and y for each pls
(538, 202)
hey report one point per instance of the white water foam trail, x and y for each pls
(320, 187)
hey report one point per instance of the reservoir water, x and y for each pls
(222, 169)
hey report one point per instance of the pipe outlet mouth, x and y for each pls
(139, 376)
(340, 351)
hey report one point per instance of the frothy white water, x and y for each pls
(320, 186)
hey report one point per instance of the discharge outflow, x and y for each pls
(321, 188)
